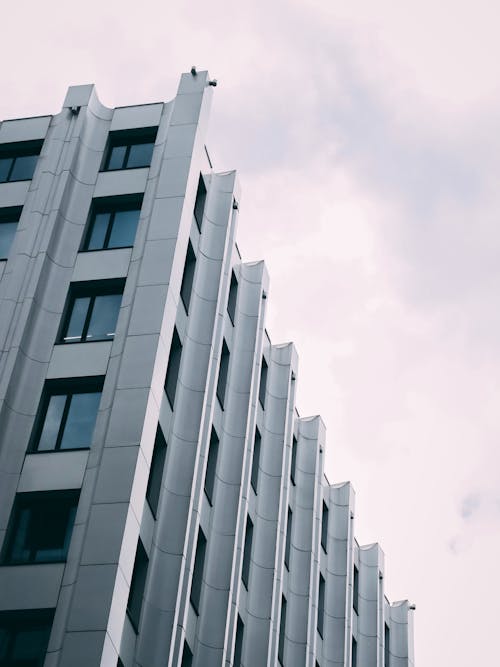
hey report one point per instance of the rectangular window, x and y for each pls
(281, 642)
(137, 586)
(324, 528)
(223, 371)
(321, 605)
(354, 653)
(187, 656)
(156, 471)
(288, 539)
(238, 643)
(130, 149)
(9, 219)
(188, 277)
(67, 415)
(18, 160)
(40, 527)
(199, 564)
(293, 463)
(91, 312)
(387, 646)
(174, 364)
(233, 297)
(247, 552)
(254, 479)
(112, 223)
(24, 637)
(199, 205)
(213, 451)
(263, 383)
(355, 589)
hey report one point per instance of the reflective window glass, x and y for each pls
(76, 324)
(80, 422)
(104, 317)
(24, 636)
(140, 155)
(98, 232)
(124, 228)
(7, 233)
(24, 168)
(117, 157)
(52, 423)
(5, 164)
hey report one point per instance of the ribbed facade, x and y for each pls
(205, 532)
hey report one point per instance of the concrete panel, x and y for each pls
(126, 181)
(24, 129)
(79, 359)
(144, 115)
(102, 264)
(50, 471)
(14, 194)
(30, 586)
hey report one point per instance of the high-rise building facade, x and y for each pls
(162, 504)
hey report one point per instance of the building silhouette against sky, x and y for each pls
(162, 503)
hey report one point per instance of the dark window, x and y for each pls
(293, 464)
(174, 364)
(281, 642)
(199, 563)
(67, 415)
(355, 589)
(18, 160)
(233, 296)
(387, 646)
(24, 636)
(238, 643)
(92, 311)
(223, 371)
(354, 652)
(9, 218)
(263, 383)
(137, 585)
(213, 450)
(130, 149)
(187, 656)
(199, 205)
(254, 479)
(156, 471)
(120, 663)
(247, 552)
(40, 527)
(288, 538)
(324, 528)
(188, 277)
(113, 223)
(321, 605)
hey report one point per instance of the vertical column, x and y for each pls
(401, 634)
(371, 568)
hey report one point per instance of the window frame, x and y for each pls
(33, 619)
(19, 149)
(112, 205)
(128, 138)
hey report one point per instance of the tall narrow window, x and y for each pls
(263, 383)
(9, 218)
(174, 363)
(387, 646)
(223, 371)
(156, 471)
(233, 296)
(355, 589)
(321, 605)
(254, 479)
(40, 527)
(238, 643)
(213, 451)
(18, 160)
(247, 552)
(281, 642)
(92, 311)
(199, 564)
(130, 149)
(354, 653)
(67, 415)
(137, 586)
(199, 205)
(188, 277)
(288, 538)
(24, 636)
(324, 528)
(112, 223)
(293, 463)
(187, 656)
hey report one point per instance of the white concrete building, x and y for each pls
(161, 501)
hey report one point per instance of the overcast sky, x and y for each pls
(366, 137)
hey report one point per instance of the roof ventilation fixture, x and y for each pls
(193, 70)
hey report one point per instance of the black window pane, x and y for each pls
(223, 371)
(140, 155)
(387, 646)
(355, 589)
(98, 233)
(187, 656)
(188, 276)
(174, 362)
(247, 552)
(238, 644)
(213, 451)
(24, 168)
(199, 205)
(156, 471)
(76, 324)
(7, 233)
(256, 460)
(124, 228)
(324, 528)
(5, 165)
(321, 605)
(199, 562)
(293, 465)
(263, 383)
(281, 642)
(116, 158)
(52, 423)
(233, 296)
(104, 317)
(80, 422)
(137, 586)
(288, 539)
(24, 637)
(354, 657)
